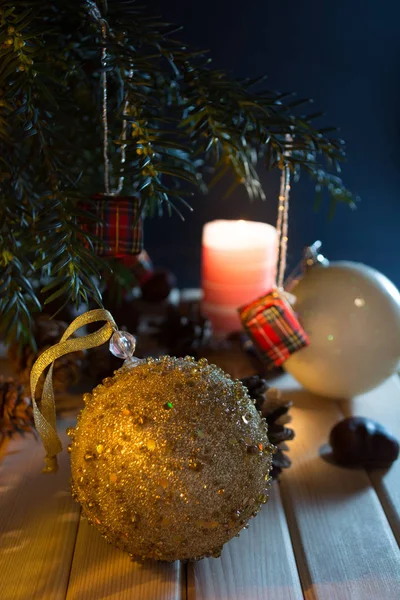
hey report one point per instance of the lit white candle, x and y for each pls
(238, 264)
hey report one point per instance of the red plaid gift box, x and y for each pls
(273, 327)
(118, 227)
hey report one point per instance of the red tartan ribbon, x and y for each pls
(118, 227)
(273, 327)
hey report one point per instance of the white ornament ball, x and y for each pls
(351, 313)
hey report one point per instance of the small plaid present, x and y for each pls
(118, 228)
(273, 327)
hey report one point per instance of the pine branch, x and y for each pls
(181, 116)
(213, 123)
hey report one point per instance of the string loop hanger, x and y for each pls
(282, 224)
(105, 33)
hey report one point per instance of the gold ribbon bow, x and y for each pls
(45, 416)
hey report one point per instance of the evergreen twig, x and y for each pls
(182, 115)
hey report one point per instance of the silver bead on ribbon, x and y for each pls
(123, 345)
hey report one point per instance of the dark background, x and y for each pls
(345, 55)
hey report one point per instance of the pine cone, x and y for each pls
(276, 412)
(16, 414)
(47, 332)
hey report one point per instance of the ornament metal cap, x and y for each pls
(312, 257)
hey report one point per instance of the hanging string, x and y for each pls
(107, 185)
(280, 212)
(105, 117)
(283, 224)
(123, 138)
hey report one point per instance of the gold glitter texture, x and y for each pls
(170, 459)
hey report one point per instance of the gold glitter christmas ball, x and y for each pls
(170, 459)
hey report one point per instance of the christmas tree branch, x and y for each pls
(168, 108)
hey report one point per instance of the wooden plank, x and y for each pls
(343, 543)
(383, 405)
(259, 565)
(38, 522)
(101, 571)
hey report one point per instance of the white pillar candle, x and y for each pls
(238, 264)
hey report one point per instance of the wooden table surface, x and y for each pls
(327, 533)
